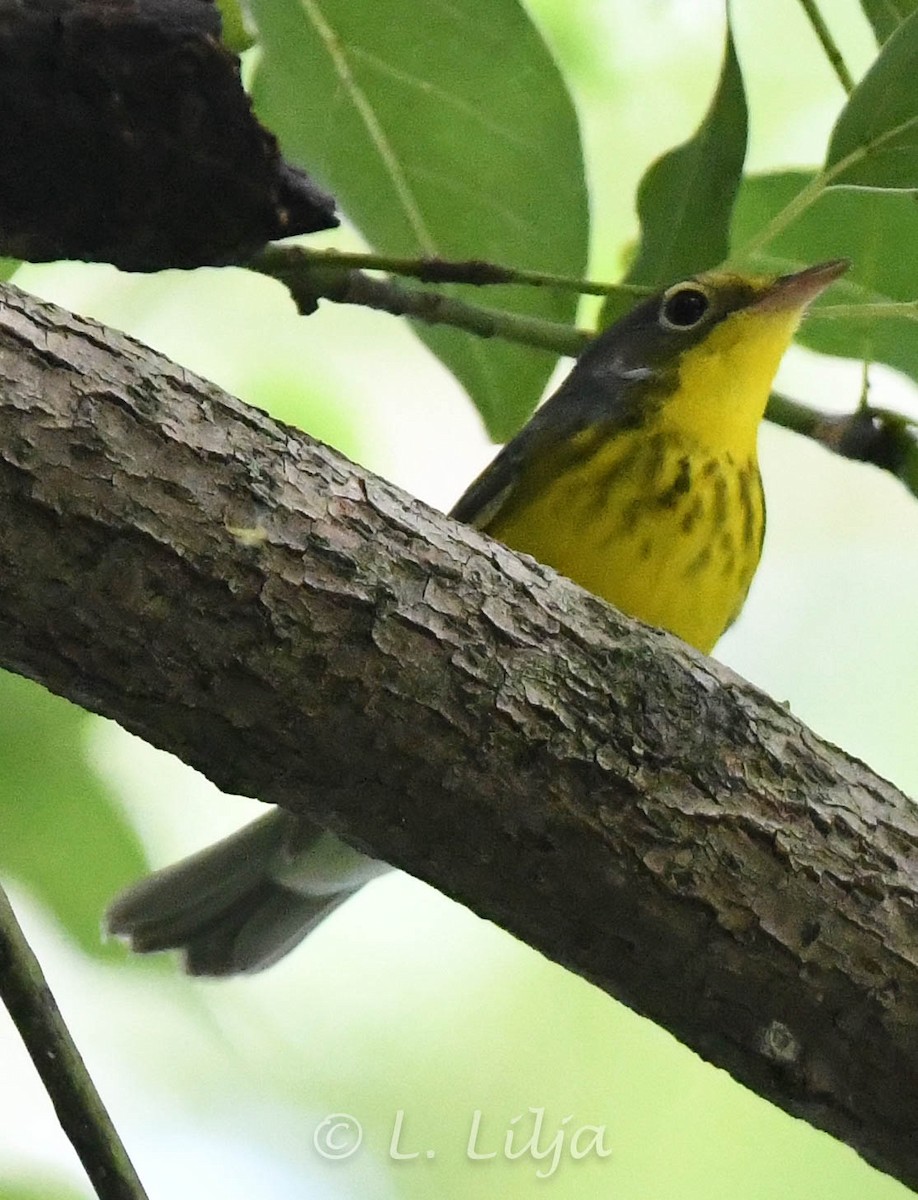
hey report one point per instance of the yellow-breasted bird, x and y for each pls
(638, 479)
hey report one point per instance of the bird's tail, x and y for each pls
(240, 905)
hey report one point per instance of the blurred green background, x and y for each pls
(404, 1003)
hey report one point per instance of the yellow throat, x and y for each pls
(639, 478)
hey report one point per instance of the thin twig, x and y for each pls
(795, 207)
(833, 54)
(477, 272)
(309, 281)
(79, 1108)
(885, 439)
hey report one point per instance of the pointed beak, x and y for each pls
(798, 290)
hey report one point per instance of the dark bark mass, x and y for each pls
(126, 137)
(303, 632)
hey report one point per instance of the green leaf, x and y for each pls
(878, 231)
(63, 835)
(442, 129)
(686, 197)
(887, 15)
(875, 140)
(8, 268)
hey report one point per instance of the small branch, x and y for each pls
(833, 54)
(878, 436)
(281, 261)
(79, 1108)
(309, 280)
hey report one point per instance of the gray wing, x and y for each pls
(593, 392)
(482, 500)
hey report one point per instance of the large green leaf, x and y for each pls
(442, 129)
(875, 140)
(686, 197)
(878, 231)
(887, 15)
(62, 835)
(8, 268)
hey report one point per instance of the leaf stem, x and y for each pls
(833, 54)
(809, 194)
(79, 1108)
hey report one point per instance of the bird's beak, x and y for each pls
(798, 290)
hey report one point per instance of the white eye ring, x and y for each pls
(684, 306)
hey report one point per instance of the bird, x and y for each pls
(638, 479)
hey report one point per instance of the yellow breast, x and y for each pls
(649, 520)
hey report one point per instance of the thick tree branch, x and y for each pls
(303, 632)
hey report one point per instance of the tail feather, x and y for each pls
(242, 904)
(164, 909)
(256, 932)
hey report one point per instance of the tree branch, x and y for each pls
(311, 277)
(296, 262)
(885, 439)
(303, 632)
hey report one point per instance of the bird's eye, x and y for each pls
(683, 308)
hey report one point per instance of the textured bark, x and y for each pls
(305, 633)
